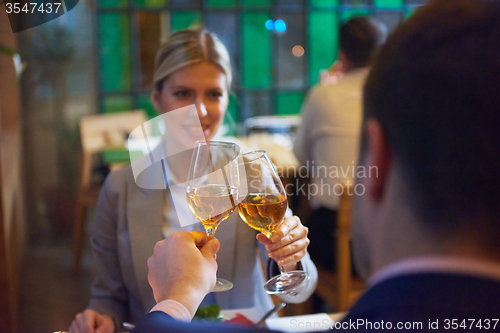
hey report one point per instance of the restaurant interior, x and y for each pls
(97, 61)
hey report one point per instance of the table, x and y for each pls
(279, 147)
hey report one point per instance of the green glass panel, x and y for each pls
(289, 103)
(112, 3)
(115, 53)
(221, 3)
(388, 3)
(256, 50)
(152, 3)
(231, 117)
(111, 104)
(116, 155)
(324, 3)
(256, 3)
(184, 20)
(144, 103)
(323, 42)
(347, 14)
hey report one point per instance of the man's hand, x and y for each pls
(288, 244)
(183, 268)
(90, 321)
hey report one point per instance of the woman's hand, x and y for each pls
(90, 321)
(288, 244)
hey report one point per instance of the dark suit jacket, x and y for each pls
(421, 300)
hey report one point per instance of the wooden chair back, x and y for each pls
(97, 132)
(341, 289)
(101, 131)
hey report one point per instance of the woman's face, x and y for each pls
(202, 84)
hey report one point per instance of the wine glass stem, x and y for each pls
(210, 231)
(284, 274)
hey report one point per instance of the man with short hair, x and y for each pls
(426, 232)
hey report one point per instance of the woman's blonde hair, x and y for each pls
(187, 47)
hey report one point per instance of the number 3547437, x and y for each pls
(32, 7)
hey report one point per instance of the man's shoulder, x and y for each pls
(428, 296)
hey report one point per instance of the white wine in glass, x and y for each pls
(263, 212)
(204, 200)
(263, 209)
(212, 190)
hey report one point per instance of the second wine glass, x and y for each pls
(212, 190)
(264, 209)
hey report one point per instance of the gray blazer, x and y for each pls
(128, 223)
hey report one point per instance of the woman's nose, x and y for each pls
(202, 110)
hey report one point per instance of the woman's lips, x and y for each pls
(194, 130)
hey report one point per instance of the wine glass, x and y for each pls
(212, 187)
(263, 209)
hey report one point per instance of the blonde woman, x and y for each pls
(192, 67)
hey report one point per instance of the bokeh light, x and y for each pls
(298, 51)
(280, 25)
(270, 25)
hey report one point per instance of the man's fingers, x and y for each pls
(210, 249)
(200, 238)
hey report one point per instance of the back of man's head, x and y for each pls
(359, 39)
(435, 90)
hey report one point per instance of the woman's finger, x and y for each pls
(288, 225)
(292, 258)
(298, 233)
(289, 250)
(263, 239)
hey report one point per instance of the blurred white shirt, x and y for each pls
(327, 141)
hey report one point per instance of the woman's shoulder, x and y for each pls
(119, 178)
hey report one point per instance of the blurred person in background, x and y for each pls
(328, 137)
(192, 67)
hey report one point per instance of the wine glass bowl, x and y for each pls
(205, 200)
(263, 212)
(263, 209)
(212, 187)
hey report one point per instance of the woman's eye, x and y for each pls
(215, 94)
(181, 93)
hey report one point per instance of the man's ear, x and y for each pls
(156, 99)
(378, 155)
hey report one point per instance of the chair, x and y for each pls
(97, 132)
(341, 289)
